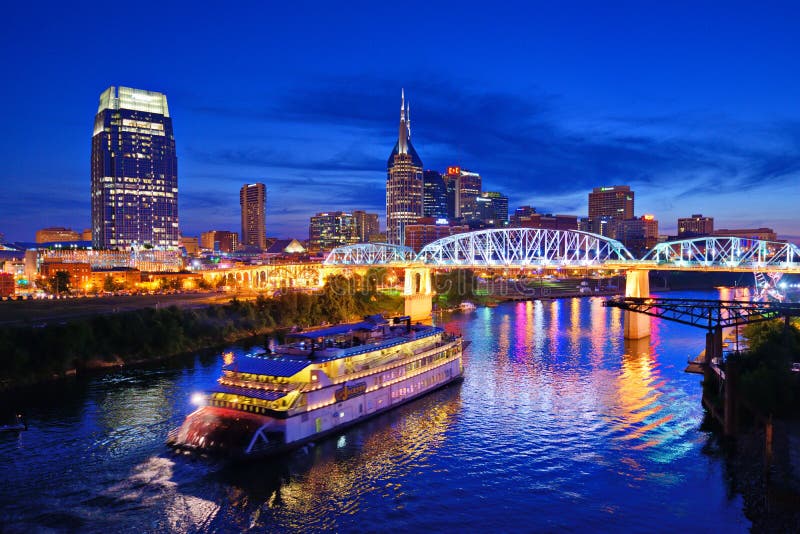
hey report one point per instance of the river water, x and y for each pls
(558, 425)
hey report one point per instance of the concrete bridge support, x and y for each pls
(637, 284)
(418, 293)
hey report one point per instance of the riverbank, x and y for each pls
(31, 354)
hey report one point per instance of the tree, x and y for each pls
(59, 283)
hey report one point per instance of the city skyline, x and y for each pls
(542, 128)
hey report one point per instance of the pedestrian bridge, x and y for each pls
(544, 249)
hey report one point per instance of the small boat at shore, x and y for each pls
(319, 382)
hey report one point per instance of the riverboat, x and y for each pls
(467, 307)
(317, 383)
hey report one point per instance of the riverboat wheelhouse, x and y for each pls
(318, 382)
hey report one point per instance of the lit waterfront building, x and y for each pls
(253, 201)
(151, 260)
(134, 171)
(367, 225)
(219, 241)
(327, 230)
(696, 225)
(404, 182)
(57, 235)
(434, 195)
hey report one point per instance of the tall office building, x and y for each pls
(463, 187)
(253, 201)
(331, 229)
(404, 182)
(499, 206)
(434, 201)
(134, 171)
(696, 225)
(367, 225)
(615, 201)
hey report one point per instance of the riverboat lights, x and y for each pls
(198, 399)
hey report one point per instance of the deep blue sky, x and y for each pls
(695, 105)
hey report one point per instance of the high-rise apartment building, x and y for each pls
(367, 225)
(615, 201)
(253, 201)
(434, 203)
(696, 225)
(134, 171)
(331, 229)
(638, 234)
(404, 182)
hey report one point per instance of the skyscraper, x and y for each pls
(331, 229)
(134, 171)
(615, 201)
(696, 225)
(463, 187)
(253, 201)
(404, 183)
(367, 225)
(434, 203)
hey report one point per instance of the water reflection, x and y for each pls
(559, 425)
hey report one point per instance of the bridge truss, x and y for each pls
(730, 252)
(523, 247)
(370, 254)
(708, 314)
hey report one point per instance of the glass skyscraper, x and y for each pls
(434, 203)
(134, 171)
(404, 184)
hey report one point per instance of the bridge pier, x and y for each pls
(417, 293)
(637, 284)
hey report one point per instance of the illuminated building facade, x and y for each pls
(427, 230)
(615, 201)
(79, 273)
(219, 241)
(151, 260)
(367, 225)
(332, 229)
(7, 284)
(404, 182)
(464, 187)
(766, 234)
(493, 208)
(434, 203)
(526, 217)
(638, 234)
(696, 225)
(134, 171)
(57, 235)
(253, 201)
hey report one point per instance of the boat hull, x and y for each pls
(270, 436)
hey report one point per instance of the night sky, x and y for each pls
(697, 107)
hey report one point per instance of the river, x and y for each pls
(558, 425)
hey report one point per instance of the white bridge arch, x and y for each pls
(370, 254)
(524, 247)
(726, 252)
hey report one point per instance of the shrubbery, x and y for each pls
(31, 353)
(765, 376)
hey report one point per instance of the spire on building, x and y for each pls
(408, 118)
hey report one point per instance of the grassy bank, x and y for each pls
(29, 354)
